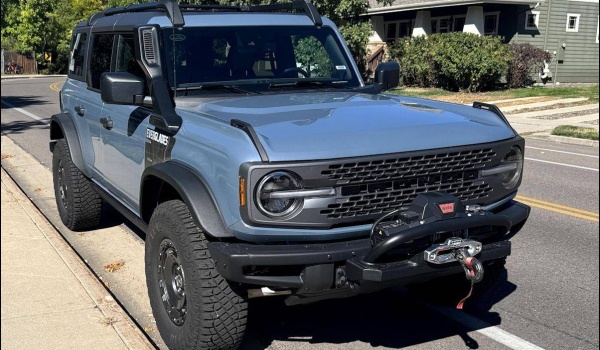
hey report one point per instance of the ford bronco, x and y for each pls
(245, 144)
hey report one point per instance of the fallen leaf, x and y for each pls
(114, 266)
(108, 321)
(38, 189)
(6, 156)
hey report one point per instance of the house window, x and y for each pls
(444, 25)
(459, 24)
(390, 32)
(490, 23)
(440, 25)
(573, 22)
(532, 20)
(404, 29)
(397, 29)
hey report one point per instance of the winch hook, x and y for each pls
(473, 271)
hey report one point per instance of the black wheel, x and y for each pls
(79, 206)
(194, 307)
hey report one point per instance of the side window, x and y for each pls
(101, 54)
(125, 60)
(78, 50)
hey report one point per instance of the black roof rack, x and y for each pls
(173, 10)
(170, 7)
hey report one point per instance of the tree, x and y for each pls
(46, 25)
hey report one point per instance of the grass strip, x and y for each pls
(576, 131)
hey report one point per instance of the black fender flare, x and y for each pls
(63, 126)
(193, 191)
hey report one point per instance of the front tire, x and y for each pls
(194, 307)
(79, 206)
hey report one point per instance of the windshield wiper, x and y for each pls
(213, 86)
(306, 83)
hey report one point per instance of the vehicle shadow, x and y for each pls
(111, 218)
(394, 318)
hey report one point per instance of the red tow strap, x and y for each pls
(469, 266)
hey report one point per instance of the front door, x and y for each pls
(124, 133)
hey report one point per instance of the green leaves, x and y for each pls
(46, 25)
(452, 61)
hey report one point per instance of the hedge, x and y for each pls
(452, 61)
(526, 60)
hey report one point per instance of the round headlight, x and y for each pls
(511, 178)
(276, 182)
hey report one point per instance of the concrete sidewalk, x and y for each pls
(50, 300)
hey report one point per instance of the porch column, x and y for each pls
(378, 33)
(474, 20)
(422, 24)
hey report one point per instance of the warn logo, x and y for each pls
(156, 136)
(447, 208)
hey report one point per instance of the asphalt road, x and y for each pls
(549, 300)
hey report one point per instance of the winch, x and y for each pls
(433, 207)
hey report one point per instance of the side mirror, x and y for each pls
(122, 88)
(387, 75)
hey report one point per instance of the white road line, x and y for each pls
(562, 164)
(565, 152)
(501, 336)
(29, 114)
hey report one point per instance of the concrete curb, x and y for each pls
(564, 140)
(12, 77)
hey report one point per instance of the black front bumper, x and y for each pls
(311, 269)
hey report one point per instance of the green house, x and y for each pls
(568, 29)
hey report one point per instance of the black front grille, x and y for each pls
(379, 186)
(398, 168)
(384, 201)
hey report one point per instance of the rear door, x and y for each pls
(90, 104)
(75, 90)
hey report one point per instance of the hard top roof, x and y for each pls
(169, 14)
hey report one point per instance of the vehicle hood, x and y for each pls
(326, 125)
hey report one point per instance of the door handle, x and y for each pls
(80, 110)
(107, 123)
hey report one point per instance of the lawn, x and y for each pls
(537, 94)
(576, 131)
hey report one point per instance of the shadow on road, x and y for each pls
(19, 127)
(389, 319)
(23, 101)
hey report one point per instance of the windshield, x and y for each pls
(257, 58)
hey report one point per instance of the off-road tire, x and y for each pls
(79, 206)
(215, 310)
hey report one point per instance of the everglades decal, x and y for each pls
(158, 147)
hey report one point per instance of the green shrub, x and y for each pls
(452, 61)
(526, 60)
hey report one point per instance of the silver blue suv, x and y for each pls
(245, 144)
